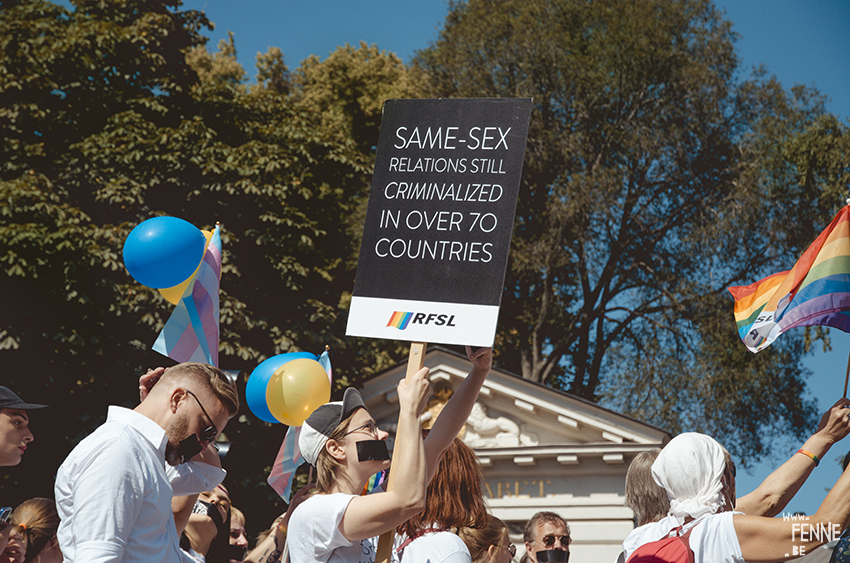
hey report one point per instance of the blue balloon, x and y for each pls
(255, 390)
(163, 251)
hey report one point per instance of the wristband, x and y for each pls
(280, 528)
(811, 455)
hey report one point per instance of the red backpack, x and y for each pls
(675, 548)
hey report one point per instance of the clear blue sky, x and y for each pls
(800, 42)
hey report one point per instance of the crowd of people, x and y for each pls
(147, 486)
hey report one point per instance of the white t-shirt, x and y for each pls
(713, 541)
(436, 547)
(314, 535)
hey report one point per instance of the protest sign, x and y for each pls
(439, 223)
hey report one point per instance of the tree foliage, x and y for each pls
(113, 113)
(654, 177)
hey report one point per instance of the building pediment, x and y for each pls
(515, 415)
(539, 448)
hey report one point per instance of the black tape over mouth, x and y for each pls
(372, 450)
(189, 447)
(553, 556)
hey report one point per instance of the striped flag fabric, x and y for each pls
(287, 461)
(192, 332)
(289, 456)
(816, 291)
(400, 320)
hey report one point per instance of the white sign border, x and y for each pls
(459, 323)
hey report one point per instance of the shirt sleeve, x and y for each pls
(316, 523)
(194, 477)
(108, 490)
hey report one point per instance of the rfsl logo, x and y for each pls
(400, 319)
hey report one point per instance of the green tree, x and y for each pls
(113, 113)
(654, 177)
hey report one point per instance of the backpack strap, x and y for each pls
(685, 538)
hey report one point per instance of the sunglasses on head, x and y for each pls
(549, 540)
(207, 434)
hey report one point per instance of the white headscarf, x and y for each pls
(690, 469)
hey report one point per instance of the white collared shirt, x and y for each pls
(113, 493)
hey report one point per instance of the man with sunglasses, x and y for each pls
(545, 531)
(114, 490)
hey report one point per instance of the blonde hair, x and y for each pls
(210, 377)
(236, 514)
(326, 464)
(479, 540)
(38, 522)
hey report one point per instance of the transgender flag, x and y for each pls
(191, 333)
(816, 291)
(287, 461)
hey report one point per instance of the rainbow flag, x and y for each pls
(400, 320)
(192, 332)
(816, 291)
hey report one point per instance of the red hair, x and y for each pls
(454, 498)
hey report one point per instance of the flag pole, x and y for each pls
(415, 362)
(846, 377)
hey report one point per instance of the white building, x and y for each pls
(540, 449)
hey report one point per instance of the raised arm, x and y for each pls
(270, 549)
(457, 409)
(780, 486)
(372, 515)
(774, 539)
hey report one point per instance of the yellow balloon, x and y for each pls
(296, 389)
(174, 294)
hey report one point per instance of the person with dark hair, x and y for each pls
(15, 434)
(344, 444)
(113, 491)
(489, 543)
(38, 521)
(454, 500)
(545, 531)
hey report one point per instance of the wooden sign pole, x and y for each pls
(415, 362)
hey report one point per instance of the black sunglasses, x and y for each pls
(208, 434)
(549, 540)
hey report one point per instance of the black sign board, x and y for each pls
(439, 222)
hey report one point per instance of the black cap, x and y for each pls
(9, 400)
(319, 426)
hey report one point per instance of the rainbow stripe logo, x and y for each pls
(400, 320)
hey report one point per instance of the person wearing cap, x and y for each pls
(15, 434)
(343, 443)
